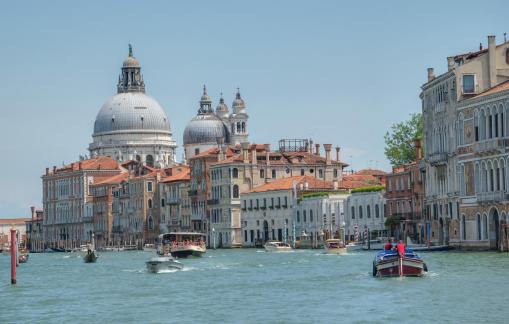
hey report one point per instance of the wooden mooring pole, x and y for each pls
(13, 256)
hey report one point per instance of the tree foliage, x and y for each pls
(400, 141)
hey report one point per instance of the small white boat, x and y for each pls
(163, 263)
(276, 246)
(351, 247)
(334, 246)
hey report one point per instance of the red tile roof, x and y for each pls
(116, 179)
(14, 221)
(98, 163)
(288, 183)
(498, 88)
(183, 173)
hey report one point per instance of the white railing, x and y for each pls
(489, 145)
(494, 196)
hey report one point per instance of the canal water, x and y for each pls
(252, 286)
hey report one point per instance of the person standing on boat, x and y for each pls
(400, 247)
(388, 245)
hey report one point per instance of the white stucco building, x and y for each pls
(365, 210)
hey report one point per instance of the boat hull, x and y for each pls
(161, 264)
(391, 267)
(90, 257)
(335, 250)
(187, 251)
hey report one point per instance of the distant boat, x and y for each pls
(276, 246)
(181, 244)
(334, 246)
(91, 256)
(23, 258)
(162, 263)
(388, 263)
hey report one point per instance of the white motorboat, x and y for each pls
(334, 246)
(351, 247)
(163, 263)
(276, 246)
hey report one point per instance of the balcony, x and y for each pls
(211, 202)
(489, 146)
(173, 201)
(437, 158)
(491, 197)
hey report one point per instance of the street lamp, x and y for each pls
(214, 236)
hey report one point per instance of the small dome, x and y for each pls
(131, 62)
(131, 111)
(204, 128)
(238, 104)
(222, 108)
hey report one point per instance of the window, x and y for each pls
(335, 173)
(310, 215)
(235, 191)
(360, 211)
(262, 174)
(377, 211)
(320, 173)
(150, 203)
(196, 151)
(162, 203)
(479, 227)
(273, 174)
(149, 160)
(353, 212)
(298, 217)
(368, 211)
(149, 186)
(302, 172)
(469, 83)
(304, 216)
(235, 173)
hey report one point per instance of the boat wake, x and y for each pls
(168, 271)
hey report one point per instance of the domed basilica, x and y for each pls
(208, 128)
(132, 125)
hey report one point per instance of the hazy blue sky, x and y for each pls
(338, 72)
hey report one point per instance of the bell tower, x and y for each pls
(131, 79)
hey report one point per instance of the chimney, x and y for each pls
(47, 171)
(492, 47)
(310, 146)
(327, 148)
(317, 149)
(253, 154)
(222, 154)
(450, 63)
(32, 209)
(267, 150)
(431, 74)
(338, 149)
(480, 46)
(418, 149)
(79, 165)
(245, 151)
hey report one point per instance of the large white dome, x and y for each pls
(129, 111)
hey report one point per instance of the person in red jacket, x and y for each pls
(401, 248)
(388, 245)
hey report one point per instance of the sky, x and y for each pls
(339, 72)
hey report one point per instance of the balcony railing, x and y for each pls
(493, 145)
(489, 197)
(213, 201)
(173, 201)
(437, 158)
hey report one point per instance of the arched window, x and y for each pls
(150, 223)
(149, 160)
(479, 237)
(368, 211)
(298, 217)
(353, 212)
(150, 203)
(235, 173)
(304, 216)
(485, 226)
(262, 174)
(310, 215)
(138, 158)
(238, 127)
(235, 191)
(377, 211)
(243, 127)
(360, 211)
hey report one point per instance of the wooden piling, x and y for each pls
(14, 254)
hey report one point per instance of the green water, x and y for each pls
(252, 286)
